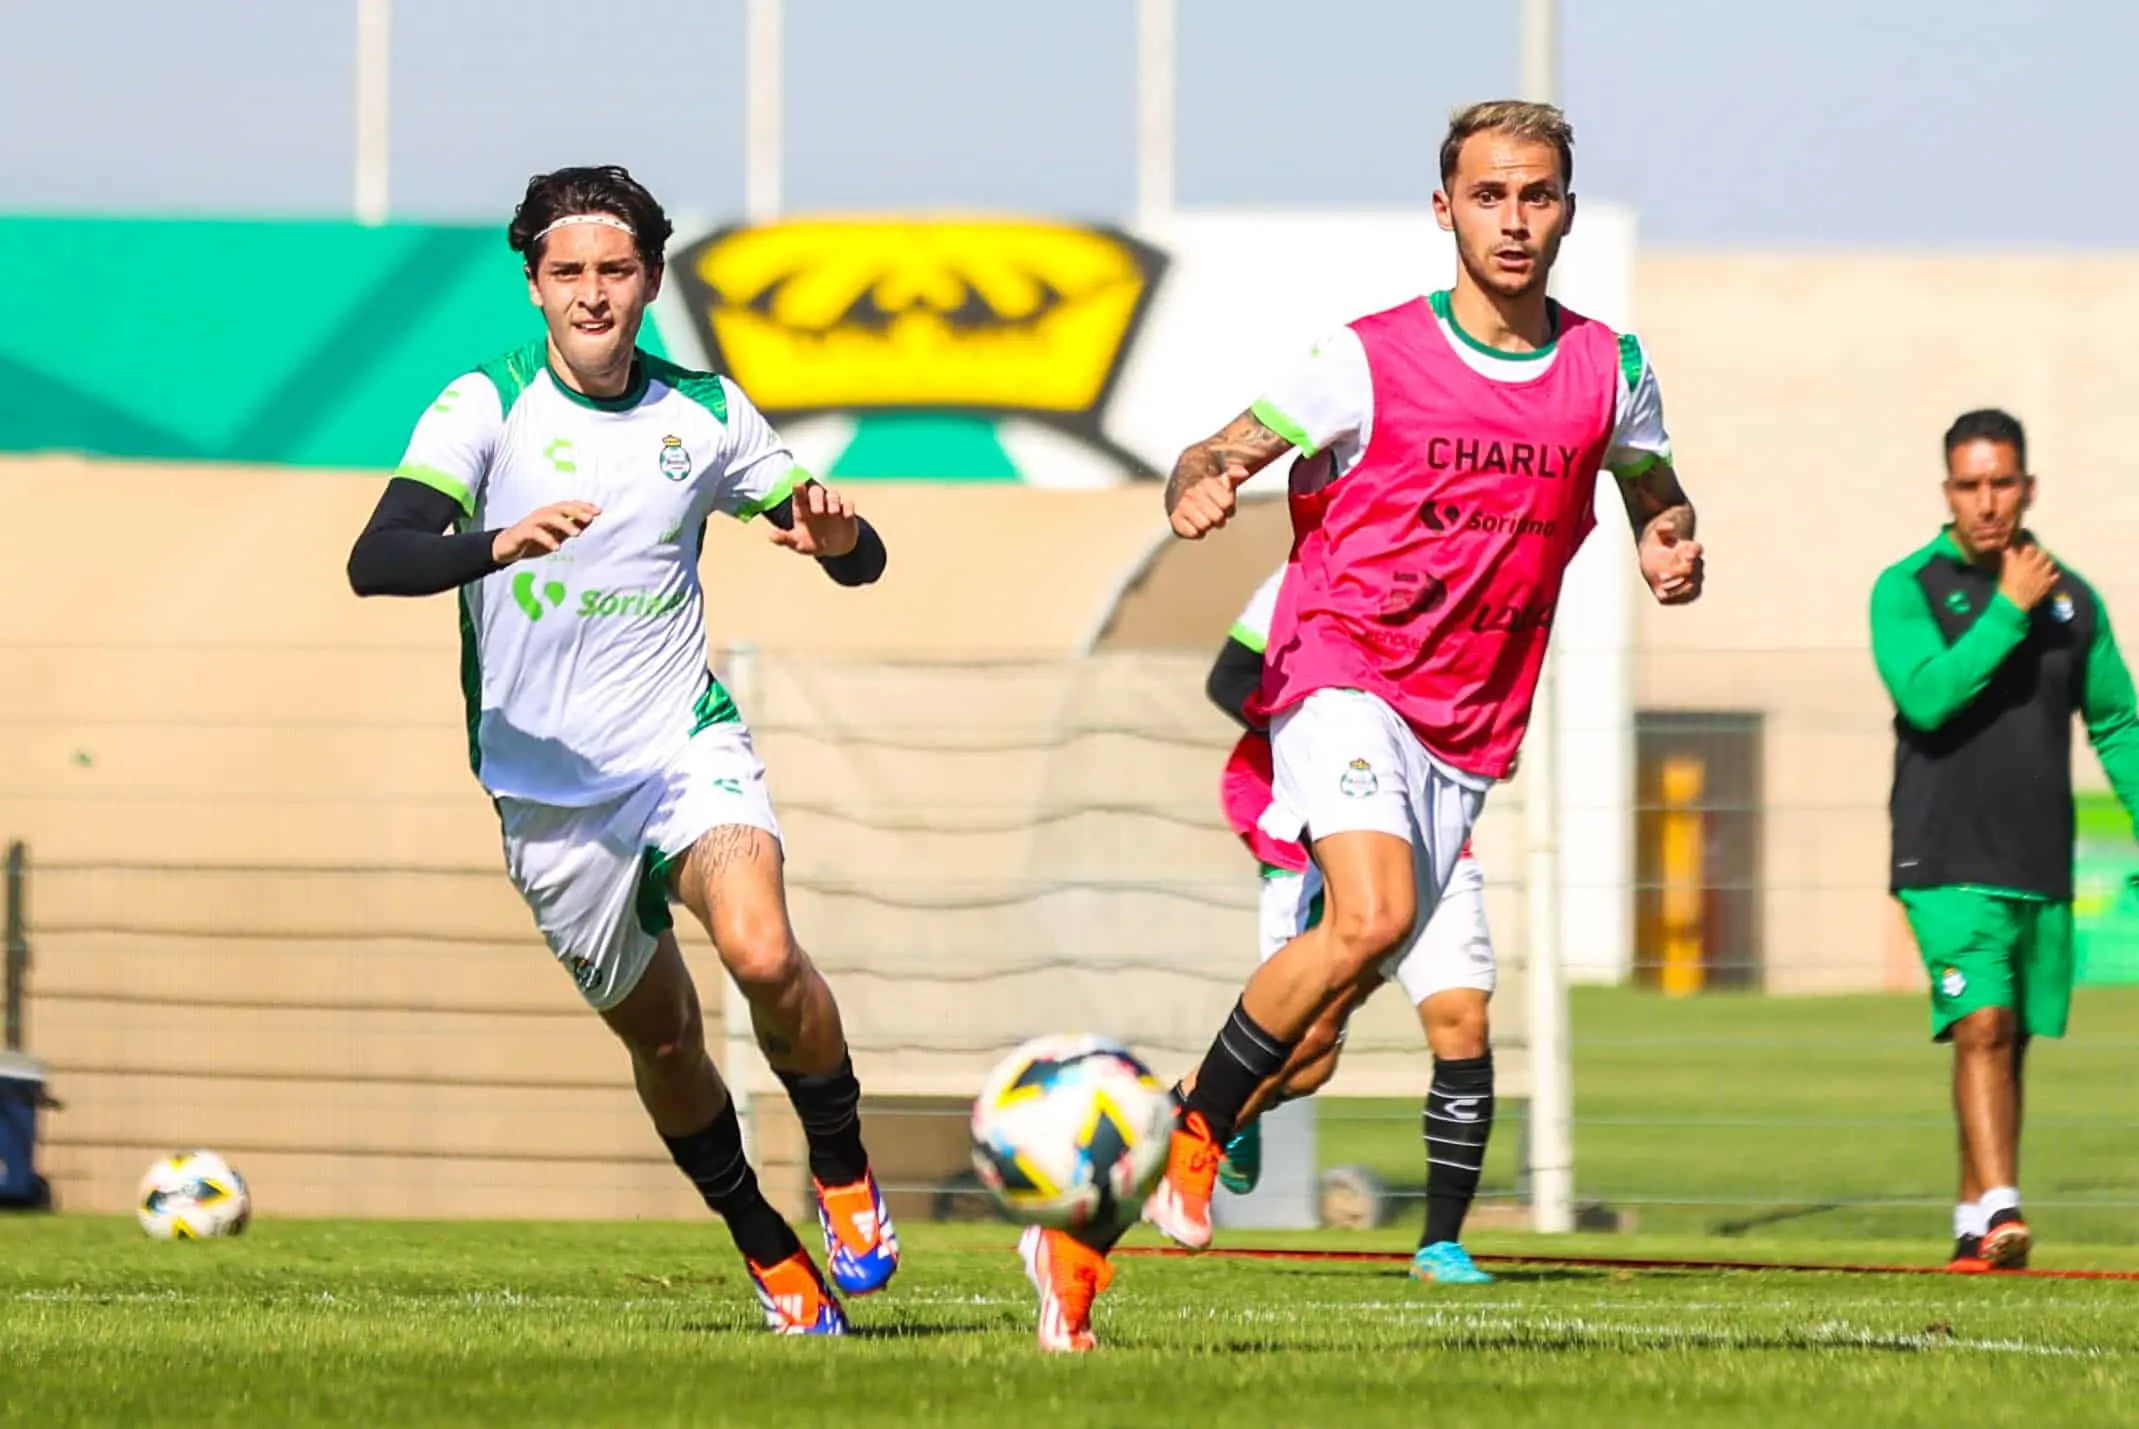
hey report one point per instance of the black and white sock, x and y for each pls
(1242, 1058)
(1458, 1121)
(713, 1159)
(829, 1108)
(1999, 1205)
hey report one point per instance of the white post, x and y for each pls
(1541, 51)
(1155, 109)
(1551, 1129)
(1551, 1138)
(374, 93)
(764, 145)
(741, 1062)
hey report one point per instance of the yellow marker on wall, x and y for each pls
(1679, 863)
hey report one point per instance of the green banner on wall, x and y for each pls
(306, 344)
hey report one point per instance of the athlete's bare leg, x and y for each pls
(732, 881)
(1370, 900)
(1455, 1024)
(1986, 1099)
(660, 1026)
(1313, 1062)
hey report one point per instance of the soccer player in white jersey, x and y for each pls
(1447, 970)
(576, 476)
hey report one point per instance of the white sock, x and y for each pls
(1996, 1199)
(1969, 1218)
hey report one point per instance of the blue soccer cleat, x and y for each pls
(860, 1243)
(795, 1298)
(1242, 1166)
(1446, 1263)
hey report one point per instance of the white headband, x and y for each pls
(606, 220)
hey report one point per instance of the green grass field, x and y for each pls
(651, 1324)
(1807, 1118)
(1777, 1130)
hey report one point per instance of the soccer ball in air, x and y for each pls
(191, 1196)
(1071, 1132)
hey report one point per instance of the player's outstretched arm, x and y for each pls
(1199, 494)
(1662, 517)
(405, 548)
(816, 520)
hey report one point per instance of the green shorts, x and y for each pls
(1987, 949)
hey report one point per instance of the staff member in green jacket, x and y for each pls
(1988, 649)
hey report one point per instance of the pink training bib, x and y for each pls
(1246, 790)
(1428, 574)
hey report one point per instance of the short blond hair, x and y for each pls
(1517, 117)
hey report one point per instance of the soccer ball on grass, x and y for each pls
(193, 1195)
(1071, 1131)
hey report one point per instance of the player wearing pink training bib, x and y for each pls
(1446, 968)
(1454, 480)
(1452, 446)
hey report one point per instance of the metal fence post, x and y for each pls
(18, 939)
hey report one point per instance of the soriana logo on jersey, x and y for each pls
(975, 315)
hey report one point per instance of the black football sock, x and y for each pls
(1106, 1234)
(713, 1159)
(829, 1108)
(1114, 1218)
(1242, 1058)
(1457, 1122)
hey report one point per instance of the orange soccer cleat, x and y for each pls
(1181, 1206)
(1068, 1274)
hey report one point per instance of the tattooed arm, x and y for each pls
(1654, 494)
(1662, 517)
(1199, 494)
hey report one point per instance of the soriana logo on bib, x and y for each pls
(1009, 316)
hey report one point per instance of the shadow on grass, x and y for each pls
(1521, 1276)
(929, 1330)
(900, 1330)
(1747, 1224)
(1555, 1341)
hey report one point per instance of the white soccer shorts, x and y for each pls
(595, 876)
(1345, 762)
(1453, 950)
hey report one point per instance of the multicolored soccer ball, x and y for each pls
(1071, 1132)
(192, 1196)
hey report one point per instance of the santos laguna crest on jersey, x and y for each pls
(585, 670)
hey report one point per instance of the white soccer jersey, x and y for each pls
(585, 670)
(1326, 402)
(1252, 629)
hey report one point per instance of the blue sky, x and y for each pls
(1969, 123)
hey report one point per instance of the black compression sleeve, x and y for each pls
(863, 565)
(1234, 676)
(402, 550)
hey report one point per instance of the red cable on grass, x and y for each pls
(1607, 1263)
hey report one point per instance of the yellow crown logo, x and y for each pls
(903, 314)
